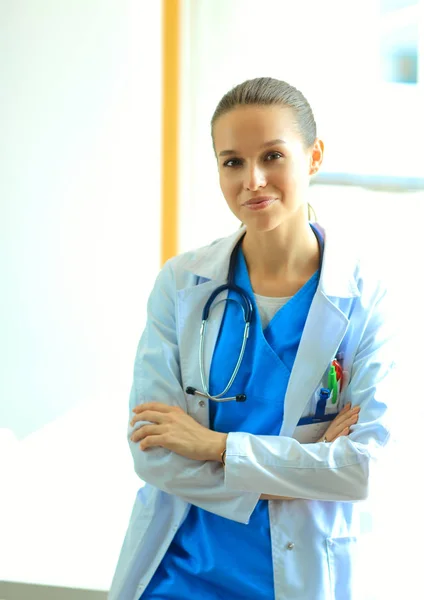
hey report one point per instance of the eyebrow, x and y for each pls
(270, 143)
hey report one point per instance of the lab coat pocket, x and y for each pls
(342, 558)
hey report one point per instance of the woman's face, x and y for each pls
(264, 168)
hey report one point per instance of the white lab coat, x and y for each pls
(314, 537)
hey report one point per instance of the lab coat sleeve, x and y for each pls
(157, 378)
(337, 471)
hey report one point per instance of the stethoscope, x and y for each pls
(247, 309)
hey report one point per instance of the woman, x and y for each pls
(256, 498)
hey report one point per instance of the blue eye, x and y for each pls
(233, 162)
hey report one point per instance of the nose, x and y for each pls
(254, 178)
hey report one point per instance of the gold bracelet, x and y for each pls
(223, 453)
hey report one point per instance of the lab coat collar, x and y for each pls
(339, 267)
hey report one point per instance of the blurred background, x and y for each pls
(106, 170)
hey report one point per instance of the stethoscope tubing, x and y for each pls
(247, 308)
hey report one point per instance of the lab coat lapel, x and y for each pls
(324, 330)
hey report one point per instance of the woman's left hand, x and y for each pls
(175, 430)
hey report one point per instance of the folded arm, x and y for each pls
(267, 467)
(157, 378)
(281, 466)
(338, 427)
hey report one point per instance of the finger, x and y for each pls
(344, 411)
(343, 433)
(155, 417)
(152, 441)
(353, 420)
(144, 431)
(334, 431)
(350, 420)
(345, 417)
(350, 411)
(136, 419)
(347, 424)
(158, 406)
(339, 424)
(149, 415)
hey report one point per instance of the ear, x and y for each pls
(317, 155)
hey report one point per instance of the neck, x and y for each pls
(289, 251)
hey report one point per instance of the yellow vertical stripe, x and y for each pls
(170, 125)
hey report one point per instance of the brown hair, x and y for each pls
(266, 91)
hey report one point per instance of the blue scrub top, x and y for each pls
(212, 557)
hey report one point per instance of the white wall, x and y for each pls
(228, 42)
(331, 51)
(79, 235)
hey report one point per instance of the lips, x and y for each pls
(259, 200)
(259, 203)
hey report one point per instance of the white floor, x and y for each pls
(21, 591)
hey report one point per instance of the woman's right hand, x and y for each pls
(340, 426)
